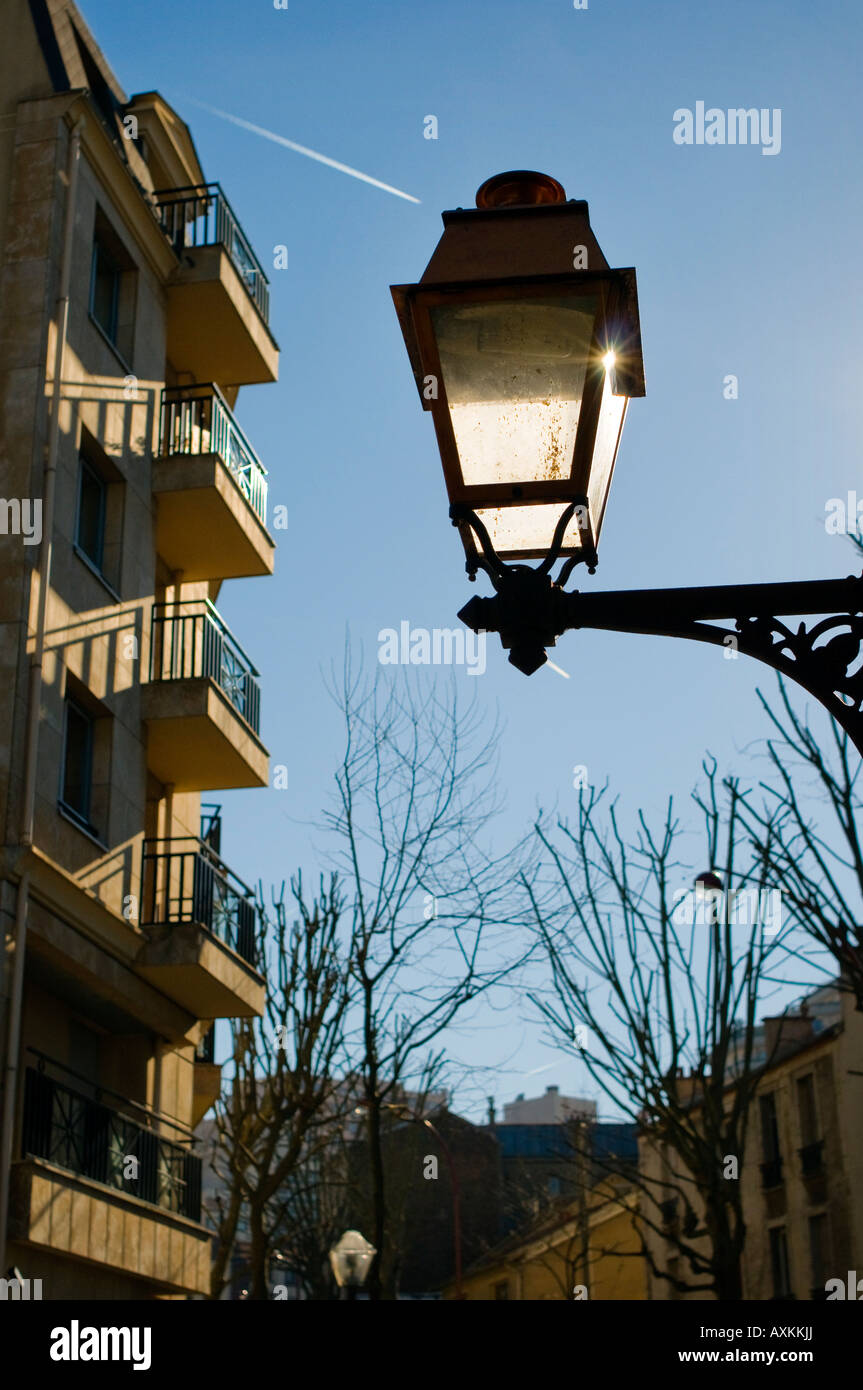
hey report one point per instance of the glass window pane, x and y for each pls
(104, 290)
(91, 515)
(769, 1128)
(77, 766)
(808, 1115)
(514, 377)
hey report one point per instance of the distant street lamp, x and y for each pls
(526, 348)
(351, 1259)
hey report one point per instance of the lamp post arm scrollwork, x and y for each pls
(530, 612)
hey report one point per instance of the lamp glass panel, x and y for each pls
(514, 374)
(529, 530)
(608, 430)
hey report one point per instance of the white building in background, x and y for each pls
(549, 1109)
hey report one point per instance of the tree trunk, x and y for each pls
(375, 1282)
(224, 1249)
(258, 1252)
(727, 1245)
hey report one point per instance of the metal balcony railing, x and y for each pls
(78, 1132)
(211, 825)
(197, 420)
(183, 881)
(190, 641)
(200, 215)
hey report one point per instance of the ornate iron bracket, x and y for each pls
(530, 612)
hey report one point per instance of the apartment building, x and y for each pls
(132, 309)
(571, 1253)
(802, 1173)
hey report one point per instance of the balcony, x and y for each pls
(76, 1193)
(202, 702)
(201, 923)
(211, 518)
(218, 300)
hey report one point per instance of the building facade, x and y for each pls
(132, 309)
(549, 1109)
(576, 1252)
(801, 1175)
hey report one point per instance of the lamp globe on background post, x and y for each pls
(525, 346)
(351, 1259)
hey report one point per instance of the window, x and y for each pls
(779, 1262)
(807, 1111)
(105, 290)
(90, 525)
(77, 762)
(99, 512)
(501, 1290)
(113, 288)
(769, 1128)
(819, 1249)
(85, 764)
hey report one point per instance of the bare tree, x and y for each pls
(278, 1110)
(818, 871)
(665, 1017)
(314, 1210)
(414, 793)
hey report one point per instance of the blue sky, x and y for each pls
(747, 264)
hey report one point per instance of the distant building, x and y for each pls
(420, 1255)
(549, 1109)
(546, 1260)
(543, 1162)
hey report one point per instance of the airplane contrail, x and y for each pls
(301, 149)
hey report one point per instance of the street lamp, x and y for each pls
(351, 1259)
(526, 349)
(526, 366)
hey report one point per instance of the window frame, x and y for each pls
(805, 1085)
(119, 334)
(100, 248)
(81, 818)
(84, 464)
(767, 1101)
